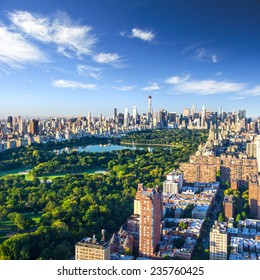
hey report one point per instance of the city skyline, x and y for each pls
(63, 59)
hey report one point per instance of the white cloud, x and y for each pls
(177, 79)
(68, 37)
(72, 84)
(144, 35)
(108, 58)
(153, 86)
(203, 54)
(214, 58)
(15, 50)
(208, 87)
(89, 71)
(189, 48)
(237, 97)
(253, 91)
(124, 88)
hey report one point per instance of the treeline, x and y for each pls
(242, 210)
(38, 153)
(73, 207)
(73, 162)
(76, 206)
(168, 137)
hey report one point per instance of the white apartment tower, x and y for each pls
(218, 242)
(173, 183)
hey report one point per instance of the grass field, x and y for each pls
(8, 229)
(50, 176)
(14, 171)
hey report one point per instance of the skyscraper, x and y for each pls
(115, 114)
(186, 112)
(258, 152)
(150, 221)
(89, 121)
(34, 127)
(134, 114)
(193, 109)
(126, 117)
(203, 116)
(150, 104)
(149, 115)
(10, 120)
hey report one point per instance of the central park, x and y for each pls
(50, 200)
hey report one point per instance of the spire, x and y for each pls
(121, 230)
(113, 239)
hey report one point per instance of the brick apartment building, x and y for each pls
(150, 221)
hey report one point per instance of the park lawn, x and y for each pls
(14, 171)
(35, 216)
(7, 227)
(6, 224)
(50, 176)
(63, 174)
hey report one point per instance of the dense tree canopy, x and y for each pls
(78, 205)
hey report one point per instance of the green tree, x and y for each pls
(221, 217)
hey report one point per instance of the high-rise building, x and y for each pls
(172, 117)
(229, 206)
(34, 127)
(237, 171)
(254, 197)
(121, 118)
(21, 126)
(150, 104)
(91, 249)
(126, 117)
(198, 172)
(115, 114)
(10, 120)
(173, 183)
(163, 118)
(149, 114)
(186, 112)
(150, 222)
(137, 203)
(89, 121)
(241, 114)
(193, 109)
(203, 116)
(218, 242)
(251, 150)
(258, 152)
(134, 114)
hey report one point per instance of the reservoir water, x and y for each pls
(97, 148)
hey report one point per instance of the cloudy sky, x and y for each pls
(68, 58)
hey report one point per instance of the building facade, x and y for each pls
(150, 222)
(218, 242)
(254, 197)
(173, 183)
(90, 249)
(229, 206)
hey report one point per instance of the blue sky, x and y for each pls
(68, 58)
